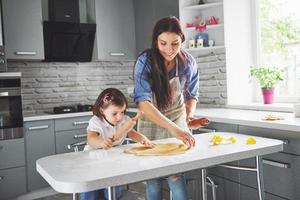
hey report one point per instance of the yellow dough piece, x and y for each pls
(232, 139)
(273, 117)
(158, 150)
(216, 139)
(251, 140)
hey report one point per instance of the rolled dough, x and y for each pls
(158, 150)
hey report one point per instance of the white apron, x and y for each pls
(176, 113)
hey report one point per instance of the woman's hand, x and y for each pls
(185, 137)
(194, 123)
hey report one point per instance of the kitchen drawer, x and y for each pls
(63, 138)
(72, 123)
(12, 153)
(290, 138)
(12, 182)
(280, 172)
(217, 127)
(249, 193)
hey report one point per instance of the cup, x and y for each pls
(297, 109)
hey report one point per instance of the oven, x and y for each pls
(11, 115)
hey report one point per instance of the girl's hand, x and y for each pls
(146, 142)
(106, 143)
(194, 123)
(138, 115)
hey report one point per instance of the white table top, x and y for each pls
(79, 172)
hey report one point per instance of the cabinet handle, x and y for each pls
(80, 123)
(79, 136)
(25, 53)
(38, 127)
(1, 178)
(117, 54)
(3, 94)
(285, 141)
(206, 130)
(276, 163)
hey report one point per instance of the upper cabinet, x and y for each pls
(203, 24)
(23, 30)
(147, 12)
(115, 33)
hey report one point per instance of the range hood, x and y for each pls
(65, 38)
(68, 42)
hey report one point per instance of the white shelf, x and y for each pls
(204, 6)
(204, 48)
(207, 27)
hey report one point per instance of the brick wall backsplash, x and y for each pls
(45, 84)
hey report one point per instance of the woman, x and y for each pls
(166, 90)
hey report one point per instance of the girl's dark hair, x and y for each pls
(159, 76)
(109, 96)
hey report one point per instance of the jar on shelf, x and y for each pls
(192, 43)
(202, 36)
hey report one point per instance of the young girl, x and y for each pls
(109, 127)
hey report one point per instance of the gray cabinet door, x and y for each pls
(249, 193)
(280, 175)
(115, 34)
(12, 153)
(12, 182)
(40, 142)
(147, 12)
(23, 31)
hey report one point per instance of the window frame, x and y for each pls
(256, 42)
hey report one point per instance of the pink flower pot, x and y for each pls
(268, 95)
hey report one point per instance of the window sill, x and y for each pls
(276, 107)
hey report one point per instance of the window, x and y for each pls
(278, 35)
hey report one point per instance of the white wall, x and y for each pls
(239, 49)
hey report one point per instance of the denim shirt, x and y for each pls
(188, 76)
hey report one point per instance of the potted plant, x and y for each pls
(267, 78)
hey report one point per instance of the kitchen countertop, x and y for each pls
(46, 116)
(250, 118)
(222, 115)
(78, 172)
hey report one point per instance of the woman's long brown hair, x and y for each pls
(159, 76)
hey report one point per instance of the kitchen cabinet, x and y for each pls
(39, 142)
(12, 153)
(147, 13)
(115, 33)
(23, 30)
(189, 9)
(12, 182)
(280, 170)
(248, 193)
(68, 131)
(12, 168)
